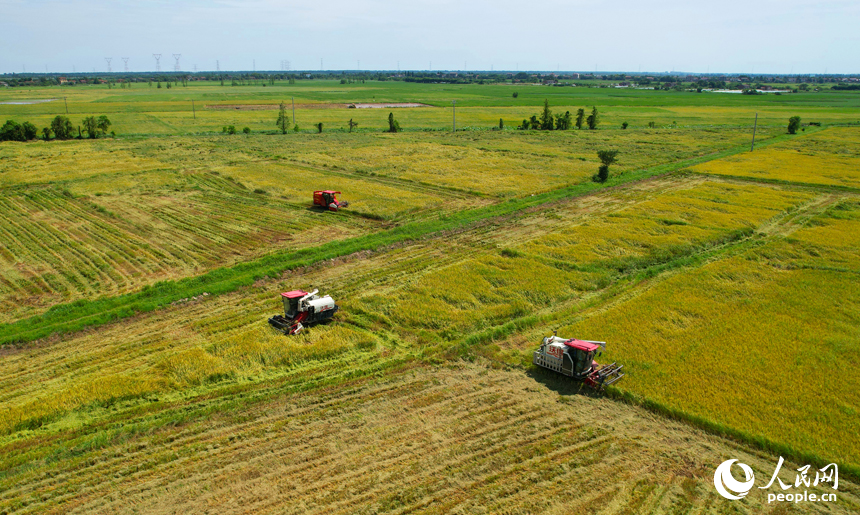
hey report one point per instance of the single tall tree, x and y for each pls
(591, 121)
(546, 120)
(580, 115)
(562, 121)
(283, 122)
(30, 130)
(793, 124)
(393, 126)
(103, 123)
(62, 127)
(607, 157)
(91, 126)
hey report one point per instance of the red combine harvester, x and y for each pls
(575, 358)
(302, 308)
(328, 199)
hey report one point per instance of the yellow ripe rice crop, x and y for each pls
(500, 164)
(758, 342)
(678, 218)
(829, 157)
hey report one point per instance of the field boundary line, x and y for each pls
(782, 182)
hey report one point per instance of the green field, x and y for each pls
(137, 273)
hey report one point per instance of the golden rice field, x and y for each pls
(421, 296)
(106, 217)
(830, 157)
(728, 292)
(394, 313)
(497, 164)
(762, 341)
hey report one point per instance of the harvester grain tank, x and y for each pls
(575, 358)
(327, 199)
(301, 309)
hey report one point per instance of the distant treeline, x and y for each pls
(717, 81)
(61, 128)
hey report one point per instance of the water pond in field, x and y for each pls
(27, 102)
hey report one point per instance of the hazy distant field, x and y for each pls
(722, 279)
(145, 110)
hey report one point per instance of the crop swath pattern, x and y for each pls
(416, 441)
(56, 248)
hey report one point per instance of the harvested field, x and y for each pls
(458, 439)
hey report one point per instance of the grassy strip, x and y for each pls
(81, 314)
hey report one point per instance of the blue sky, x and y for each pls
(765, 36)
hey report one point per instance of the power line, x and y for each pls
(157, 62)
(176, 66)
(125, 63)
(108, 59)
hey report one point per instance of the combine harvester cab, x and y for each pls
(575, 358)
(327, 199)
(302, 308)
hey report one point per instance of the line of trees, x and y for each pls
(61, 128)
(283, 123)
(560, 122)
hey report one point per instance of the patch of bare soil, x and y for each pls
(386, 106)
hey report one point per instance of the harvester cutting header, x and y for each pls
(575, 358)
